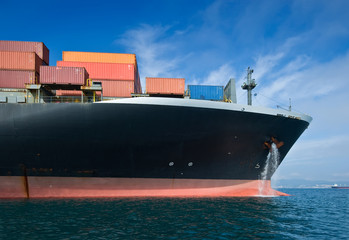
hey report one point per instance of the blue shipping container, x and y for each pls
(206, 92)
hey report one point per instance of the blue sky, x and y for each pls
(298, 49)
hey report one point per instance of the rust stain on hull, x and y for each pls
(25, 181)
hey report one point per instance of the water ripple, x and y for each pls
(308, 213)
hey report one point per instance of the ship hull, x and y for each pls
(125, 149)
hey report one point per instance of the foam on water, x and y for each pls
(270, 167)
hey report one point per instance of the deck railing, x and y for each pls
(70, 99)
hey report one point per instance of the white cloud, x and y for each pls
(152, 48)
(267, 68)
(265, 64)
(160, 54)
(219, 76)
(294, 65)
(299, 78)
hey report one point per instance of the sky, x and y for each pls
(298, 49)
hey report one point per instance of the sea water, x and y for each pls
(306, 214)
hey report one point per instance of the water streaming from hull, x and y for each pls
(270, 167)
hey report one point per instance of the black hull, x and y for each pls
(139, 141)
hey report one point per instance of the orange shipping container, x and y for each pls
(29, 61)
(100, 57)
(112, 88)
(165, 85)
(113, 71)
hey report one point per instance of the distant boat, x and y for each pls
(340, 187)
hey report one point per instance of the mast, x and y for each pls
(249, 85)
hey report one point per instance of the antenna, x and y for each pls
(251, 84)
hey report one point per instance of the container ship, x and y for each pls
(59, 137)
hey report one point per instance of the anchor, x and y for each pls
(267, 144)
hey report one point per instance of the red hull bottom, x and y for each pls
(74, 187)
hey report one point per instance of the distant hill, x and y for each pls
(302, 183)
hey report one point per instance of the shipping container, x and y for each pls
(165, 85)
(63, 75)
(138, 85)
(107, 71)
(206, 92)
(116, 88)
(68, 92)
(17, 79)
(18, 46)
(28, 61)
(230, 91)
(99, 57)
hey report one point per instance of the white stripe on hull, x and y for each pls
(208, 104)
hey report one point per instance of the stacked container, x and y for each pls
(20, 63)
(105, 71)
(214, 93)
(165, 86)
(63, 75)
(117, 72)
(18, 46)
(16, 79)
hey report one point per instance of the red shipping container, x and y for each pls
(63, 75)
(20, 61)
(165, 85)
(116, 88)
(18, 46)
(16, 79)
(68, 93)
(114, 71)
